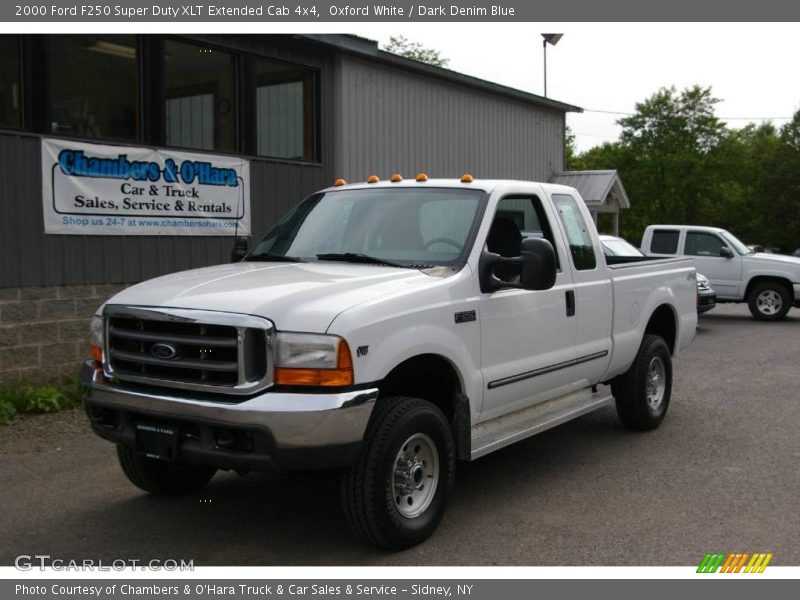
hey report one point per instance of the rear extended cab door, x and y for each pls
(593, 294)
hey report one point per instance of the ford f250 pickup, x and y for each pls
(388, 329)
(768, 283)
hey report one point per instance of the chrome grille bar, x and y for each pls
(225, 353)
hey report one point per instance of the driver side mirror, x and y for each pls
(725, 252)
(241, 245)
(537, 265)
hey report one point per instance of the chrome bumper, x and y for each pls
(299, 430)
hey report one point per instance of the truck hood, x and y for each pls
(781, 259)
(295, 296)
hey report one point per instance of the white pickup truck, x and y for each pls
(387, 329)
(769, 283)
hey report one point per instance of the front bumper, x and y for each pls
(272, 431)
(706, 301)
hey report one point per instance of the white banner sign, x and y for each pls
(90, 189)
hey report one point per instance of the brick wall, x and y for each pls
(44, 331)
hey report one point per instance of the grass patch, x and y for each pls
(22, 398)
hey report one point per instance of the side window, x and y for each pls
(703, 244)
(580, 240)
(517, 218)
(664, 241)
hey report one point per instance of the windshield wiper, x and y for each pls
(272, 258)
(357, 257)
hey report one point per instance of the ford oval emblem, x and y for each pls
(164, 351)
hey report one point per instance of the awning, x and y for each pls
(602, 191)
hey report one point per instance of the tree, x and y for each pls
(402, 46)
(680, 164)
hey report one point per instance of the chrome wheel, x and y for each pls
(656, 383)
(769, 302)
(415, 475)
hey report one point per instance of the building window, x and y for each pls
(9, 81)
(94, 86)
(285, 111)
(200, 97)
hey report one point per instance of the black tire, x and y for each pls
(160, 477)
(372, 489)
(769, 301)
(636, 404)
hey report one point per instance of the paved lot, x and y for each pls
(720, 474)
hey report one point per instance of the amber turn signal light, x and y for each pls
(96, 352)
(341, 376)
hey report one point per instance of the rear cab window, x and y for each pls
(664, 241)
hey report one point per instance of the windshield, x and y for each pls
(619, 247)
(406, 226)
(734, 241)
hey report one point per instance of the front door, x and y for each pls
(527, 337)
(725, 274)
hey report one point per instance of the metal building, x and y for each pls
(301, 110)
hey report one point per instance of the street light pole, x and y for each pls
(552, 39)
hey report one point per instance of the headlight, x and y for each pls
(96, 338)
(312, 360)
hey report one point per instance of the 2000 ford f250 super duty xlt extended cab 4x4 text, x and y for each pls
(768, 283)
(388, 329)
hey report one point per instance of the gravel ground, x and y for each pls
(719, 474)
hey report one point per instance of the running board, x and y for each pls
(505, 430)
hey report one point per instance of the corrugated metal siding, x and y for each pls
(190, 121)
(394, 121)
(279, 119)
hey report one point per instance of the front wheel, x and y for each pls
(160, 477)
(642, 394)
(769, 301)
(396, 493)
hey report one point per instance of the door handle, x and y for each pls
(570, 295)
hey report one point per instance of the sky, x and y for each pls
(610, 67)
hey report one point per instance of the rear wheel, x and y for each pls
(769, 301)
(160, 477)
(396, 493)
(643, 393)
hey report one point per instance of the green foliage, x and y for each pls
(402, 46)
(680, 164)
(18, 398)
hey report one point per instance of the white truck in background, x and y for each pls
(768, 283)
(387, 329)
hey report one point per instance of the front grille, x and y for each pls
(148, 346)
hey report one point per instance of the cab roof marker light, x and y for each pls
(339, 182)
(396, 178)
(467, 178)
(373, 179)
(422, 177)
